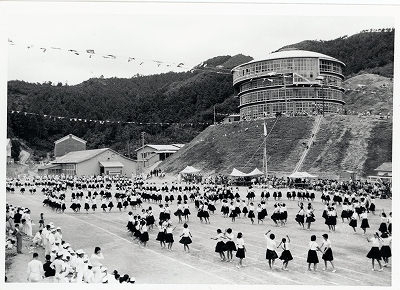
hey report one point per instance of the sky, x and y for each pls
(152, 38)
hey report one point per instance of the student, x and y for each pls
(241, 250)
(186, 211)
(41, 221)
(312, 257)
(327, 254)
(35, 269)
(233, 212)
(271, 255)
(309, 216)
(144, 235)
(161, 234)
(186, 238)
(49, 272)
(386, 252)
(230, 244)
(286, 255)
(364, 221)
(220, 246)
(353, 221)
(251, 214)
(169, 237)
(383, 225)
(374, 253)
(300, 215)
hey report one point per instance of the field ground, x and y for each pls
(153, 265)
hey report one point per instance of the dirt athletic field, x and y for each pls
(153, 265)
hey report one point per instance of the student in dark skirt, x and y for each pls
(386, 252)
(353, 221)
(327, 254)
(251, 214)
(233, 213)
(312, 257)
(309, 216)
(374, 253)
(364, 221)
(110, 204)
(144, 235)
(186, 211)
(230, 244)
(270, 255)
(186, 237)
(169, 237)
(244, 210)
(383, 225)
(161, 234)
(286, 255)
(241, 250)
(220, 246)
(300, 215)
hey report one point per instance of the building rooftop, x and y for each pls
(70, 136)
(387, 166)
(79, 156)
(291, 54)
(174, 147)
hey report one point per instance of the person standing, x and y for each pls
(271, 255)
(230, 244)
(327, 254)
(309, 216)
(18, 235)
(220, 246)
(241, 250)
(374, 253)
(95, 261)
(312, 257)
(35, 269)
(186, 237)
(49, 272)
(386, 252)
(286, 255)
(300, 215)
(364, 221)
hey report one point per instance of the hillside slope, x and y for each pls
(360, 141)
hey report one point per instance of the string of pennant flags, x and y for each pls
(91, 53)
(74, 119)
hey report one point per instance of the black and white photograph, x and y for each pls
(199, 144)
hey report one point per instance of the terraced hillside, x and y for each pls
(358, 143)
(220, 148)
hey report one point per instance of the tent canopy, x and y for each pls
(299, 174)
(237, 173)
(190, 169)
(255, 172)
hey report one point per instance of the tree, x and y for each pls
(15, 149)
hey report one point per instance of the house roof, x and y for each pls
(79, 156)
(47, 166)
(173, 147)
(387, 166)
(70, 136)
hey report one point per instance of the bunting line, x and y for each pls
(91, 53)
(75, 119)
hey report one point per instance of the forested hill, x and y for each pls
(170, 107)
(370, 51)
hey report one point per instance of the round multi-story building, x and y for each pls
(291, 82)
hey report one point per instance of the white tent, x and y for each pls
(237, 173)
(255, 172)
(299, 174)
(190, 169)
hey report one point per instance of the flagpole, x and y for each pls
(265, 151)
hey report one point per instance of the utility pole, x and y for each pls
(142, 134)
